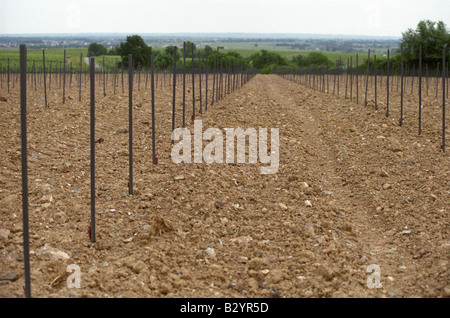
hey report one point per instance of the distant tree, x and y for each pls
(233, 55)
(433, 36)
(189, 46)
(169, 51)
(113, 51)
(317, 59)
(339, 62)
(312, 59)
(266, 61)
(135, 45)
(207, 50)
(299, 60)
(96, 49)
(163, 60)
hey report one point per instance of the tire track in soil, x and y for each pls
(318, 153)
(351, 162)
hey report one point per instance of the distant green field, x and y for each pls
(290, 54)
(56, 56)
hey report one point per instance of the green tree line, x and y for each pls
(433, 37)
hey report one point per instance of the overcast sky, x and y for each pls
(349, 17)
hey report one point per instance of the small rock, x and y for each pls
(396, 146)
(258, 263)
(310, 228)
(210, 252)
(46, 199)
(387, 186)
(392, 250)
(122, 130)
(282, 206)
(62, 217)
(308, 204)
(181, 177)
(45, 205)
(64, 168)
(93, 270)
(11, 276)
(325, 272)
(48, 252)
(392, 294)
(384, 174)
(243, 259)
(147, 196)
(218, 204)
(4, 233)
(241, 240)
(272, 260)
(447, 291)
(17, 228)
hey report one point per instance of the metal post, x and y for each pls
(64, 79)
(23, 126)
(420, 90)
(174, 88)
(200, 78)
(92, 75)
(130, 119)
(81, 71)
(443, 98)
(193, 82)
(387, 84)
(401, 93)
(367, 78)
(45, 82)
(184, 84)
(153, 111)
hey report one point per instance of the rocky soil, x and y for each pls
(353, 189)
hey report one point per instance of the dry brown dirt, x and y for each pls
(379, 194)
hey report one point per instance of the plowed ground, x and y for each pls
(379, 194)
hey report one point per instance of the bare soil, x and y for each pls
(378, 193)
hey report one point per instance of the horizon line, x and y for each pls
(201, 34)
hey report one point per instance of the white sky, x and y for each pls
(350, 17)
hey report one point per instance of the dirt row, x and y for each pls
(353, 189)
